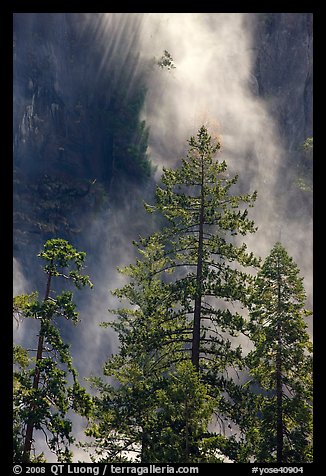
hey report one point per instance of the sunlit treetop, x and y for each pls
(58, 255)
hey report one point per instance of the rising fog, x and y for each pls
(212, 84)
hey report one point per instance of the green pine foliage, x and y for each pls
(149, 418)
(181, 300)
(172, 393)
(46, 386)
(281, 363)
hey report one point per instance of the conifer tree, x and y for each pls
(197, 244)
(281, 362)
(188, 286)
(43, 390)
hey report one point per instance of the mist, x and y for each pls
(213, 84)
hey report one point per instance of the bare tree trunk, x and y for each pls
(199, 277)
(143, 454)
(187, 434)
(30, 423)
(279, 384)
(279, 397)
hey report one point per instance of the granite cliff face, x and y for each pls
(79, 143)
(284, 72)
(67, 106)
(283, 77)
(78, 138)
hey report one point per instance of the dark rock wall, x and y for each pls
(284, 77)
(284, 72)
(78, 140)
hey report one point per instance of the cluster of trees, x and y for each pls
(215, 360)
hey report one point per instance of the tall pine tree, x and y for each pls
(189, 284)
(197, 245)
(281, 362)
